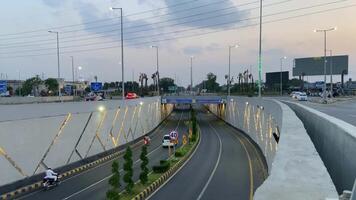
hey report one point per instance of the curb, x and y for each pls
(167, 175)
(38, 185)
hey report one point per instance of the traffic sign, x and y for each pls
(3, 87)
(68, 89)
(184, 139)
(96, 86)
(173, 135)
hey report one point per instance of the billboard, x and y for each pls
(96, 86)
(273, 79)
(314, 66)
(3, 86)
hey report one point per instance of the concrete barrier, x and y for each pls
(295, 168)
(24, 100)
(41, 135)
(335, 141)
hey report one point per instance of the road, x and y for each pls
(344, 110)
(93, 184)
(225, 166)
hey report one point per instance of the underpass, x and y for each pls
(226, 165)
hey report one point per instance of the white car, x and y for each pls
(302, 97)
(295, 95)
(166, 142)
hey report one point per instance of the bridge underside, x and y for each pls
(193, 100)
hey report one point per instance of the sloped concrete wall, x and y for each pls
(54, 135)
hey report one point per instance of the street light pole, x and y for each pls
(72, 68)
(325, 32)
(122, 52)
(59, 74)
(191, 74)
(229, 76)
(158, 88)
(331, 73)
(281, 85)
(260, 55)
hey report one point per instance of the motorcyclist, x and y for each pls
(147, 139)
(51, 175)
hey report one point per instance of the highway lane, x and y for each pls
(93, 184)
(225, 166)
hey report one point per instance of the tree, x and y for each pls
(211, 84)
(31, 85)
(114, 181)
(165, 83)
(52, 85)
(144, 168)
(128, 170)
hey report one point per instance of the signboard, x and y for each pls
(273, 79)
(185, 139)
(172, 88)
(173, 135)
(96, 86)
(68, 89)
(3, 87)
(314, 66)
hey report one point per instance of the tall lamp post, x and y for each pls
(229, 76)
(156, 47)
(122, 52)
(59, 73)
(191, 74)
(260, 55)
(331, 73)
(325, 60)
(281, 78)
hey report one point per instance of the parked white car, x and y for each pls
(302, 96)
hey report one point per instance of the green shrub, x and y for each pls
(163, 167)
(179, 153)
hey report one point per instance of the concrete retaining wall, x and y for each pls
(295, 168)
(22, 100)
(69, 132)
(335, 141)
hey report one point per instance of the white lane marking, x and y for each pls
(186, 162)
(215, 167)
(105, 178)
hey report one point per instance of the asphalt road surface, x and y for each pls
(225, 166)
(343, 110)
(93, 184)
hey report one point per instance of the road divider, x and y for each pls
(176, 165)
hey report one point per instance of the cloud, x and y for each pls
(53, 3)
(193, 50)
(134, 30)
(214, 12)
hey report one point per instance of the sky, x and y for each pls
(90, 32)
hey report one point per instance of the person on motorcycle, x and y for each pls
(147, 139)
(51, 175)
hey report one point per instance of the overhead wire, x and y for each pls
(193, 35)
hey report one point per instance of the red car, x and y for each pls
(131, 95)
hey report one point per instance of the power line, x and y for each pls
(101, 20)
(192, 35)
(97, 21)
(149, 29)
(189, 29)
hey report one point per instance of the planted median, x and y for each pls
(151, 181)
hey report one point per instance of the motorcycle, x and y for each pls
(49, 183)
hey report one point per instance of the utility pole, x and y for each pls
(281, 77)
(122, 53)
(191, 74)
(58, 66)
(325, 60)
(229, 76)
(260, 55)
